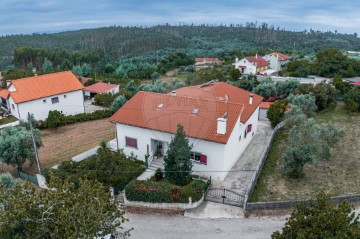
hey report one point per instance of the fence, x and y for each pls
(255, 177)
(28, 177)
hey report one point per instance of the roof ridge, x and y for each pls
(53, 73)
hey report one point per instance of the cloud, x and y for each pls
(28, 16)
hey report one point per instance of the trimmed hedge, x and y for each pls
(83, 117)
(164, 192)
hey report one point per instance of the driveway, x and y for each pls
(89, 107)
(241, 173)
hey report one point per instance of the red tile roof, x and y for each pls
(213, 101)
(84, 80)
(100, 87)
(258, 61)
(4, 93)
(207, 59)
(356, 83)
(265, 105)
(282, 57)
(36, 87)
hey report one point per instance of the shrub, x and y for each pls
(277, 111)
(352, 100)
(118, 102)
(159, 174)
(164, 192)
(54, 119)
(104, 99)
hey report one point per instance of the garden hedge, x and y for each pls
(164, 192)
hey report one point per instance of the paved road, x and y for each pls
(173, 227)
(239, 180)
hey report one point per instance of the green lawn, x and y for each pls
(8, 120)
(337, 176)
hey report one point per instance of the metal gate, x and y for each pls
(225, 196)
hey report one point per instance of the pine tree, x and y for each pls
(177, 162)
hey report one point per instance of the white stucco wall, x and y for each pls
(274, 63)
(213, 151)
(250, 68)
(113, 91)
(71, 105)
(235, 147)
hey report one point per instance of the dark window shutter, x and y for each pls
(131, 142)
(203, 159)
(249, 128)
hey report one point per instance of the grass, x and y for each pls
(8, 120)
(68, 141)
(337, 176)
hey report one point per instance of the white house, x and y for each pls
(277, 60)
(101, 88)
(38, 95)
(206, 62)
(219, 119)
(251, 65)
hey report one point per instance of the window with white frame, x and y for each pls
(55, 100)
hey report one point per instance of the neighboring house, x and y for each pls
(219, 119)
(206, 62)
(251, 65)
(264, 107)
(84, 80)
(277, 60)
(101, 88)
(38, 95)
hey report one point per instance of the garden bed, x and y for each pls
(337, 176)
(8, 120)
(165, 192)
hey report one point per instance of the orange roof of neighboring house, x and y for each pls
(100, 87)
(265, 105)
(258, 61)
(356, 83)
(4, 93)
(207, 59)
(197, 108)
(282, 57)
(84, 80)
(36, 87)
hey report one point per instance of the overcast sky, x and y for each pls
(29, 16)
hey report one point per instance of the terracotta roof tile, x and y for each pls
(207, 59)
(37, 87)
(4, 94)
(282, 57)
(163, 112)
(265, 105)
(100, 87)
(258, 60)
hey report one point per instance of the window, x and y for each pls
(44, 100)
(245, 133)
(195, 156)
(131, 142)
(13, 106)
(64, 96)
(55, 100)
(249, 128)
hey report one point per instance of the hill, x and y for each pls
(203, 40)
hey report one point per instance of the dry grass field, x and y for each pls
(337, 176)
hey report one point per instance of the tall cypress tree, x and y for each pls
(178, 162)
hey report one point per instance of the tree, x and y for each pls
(109, 69)
(54, 119)
(305, 102)
(65, 210)
(66, 65)
(105, 99)
(266, 89)
(235, 74)
(16, 145)
(118, 103)
(284, 88)
(178, 160)
(329, 61)
(86, 70)
(178, 84)
(308, 142)
(352, 100)
(299, 68)
(131, 87)
(321, 219)
(343, 87)
(277, 111)
(77, 70)
(157, 86)
(47, 66)
(7, 181)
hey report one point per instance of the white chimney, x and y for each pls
(221, 126)
(256, 56)
(236, 59)
(277, 56)
(173, 92)
(251, 99)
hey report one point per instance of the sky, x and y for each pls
(48, 16)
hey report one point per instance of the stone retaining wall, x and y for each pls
(182, 206)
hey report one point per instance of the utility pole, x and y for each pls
(34, 143)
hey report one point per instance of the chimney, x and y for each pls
(251, 99)
(277, 56)
(236, 59)
(173, 92)
(221, 126)
(256, 56)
